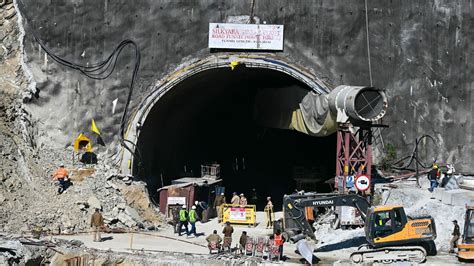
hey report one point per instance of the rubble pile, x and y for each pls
(238, 259)
(58, 252)
(419, 202)
(28, 197)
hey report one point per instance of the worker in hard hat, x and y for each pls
(433, 176)
(183, 220)
(192, 220)
(218, 205)
(61, 175)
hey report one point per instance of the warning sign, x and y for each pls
(237, 214)
(246, 36)
(362, 183)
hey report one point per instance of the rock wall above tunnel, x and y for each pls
(420, 53)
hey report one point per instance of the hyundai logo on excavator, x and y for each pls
(323, 202)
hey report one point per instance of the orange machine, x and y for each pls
(390, 233)
(466, 249)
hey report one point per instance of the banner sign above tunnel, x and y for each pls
(245, 36)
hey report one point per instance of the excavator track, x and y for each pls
(389, 254)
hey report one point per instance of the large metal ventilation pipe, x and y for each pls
(319, 114)
(357, 103)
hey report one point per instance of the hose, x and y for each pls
(100, 71)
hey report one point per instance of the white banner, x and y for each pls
(237, 214)
(176, 200)
(246, 36)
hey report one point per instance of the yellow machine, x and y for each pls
(391, 235)
(466, 249)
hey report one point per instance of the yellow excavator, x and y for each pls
(466, 248)
(391, 235)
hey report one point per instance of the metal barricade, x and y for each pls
(245, 215)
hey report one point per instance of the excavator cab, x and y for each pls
(466, 249)
(390, 226)
(383, 222)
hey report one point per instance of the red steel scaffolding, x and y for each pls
(353, 154)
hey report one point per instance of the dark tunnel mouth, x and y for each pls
(167, 141)
(369, 104)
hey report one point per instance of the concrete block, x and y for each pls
(448, 195)
(438, 194)
(463, 199)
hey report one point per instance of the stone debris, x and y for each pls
(94, 203)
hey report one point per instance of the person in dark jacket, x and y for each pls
(456, 234)
(433, 177)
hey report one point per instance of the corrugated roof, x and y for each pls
(190, 181)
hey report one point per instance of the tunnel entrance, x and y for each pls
(210, 117)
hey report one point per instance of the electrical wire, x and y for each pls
(99, 71)
(413, 156)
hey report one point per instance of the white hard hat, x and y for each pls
(184, 206)
(222, 193)
(194, 207)
(196, 202)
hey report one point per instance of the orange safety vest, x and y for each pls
(278, 240)
(60, 173)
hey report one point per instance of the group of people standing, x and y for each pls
(215, 241)
(435, 178)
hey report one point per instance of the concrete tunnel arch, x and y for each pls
(257, 61)
(169, 138)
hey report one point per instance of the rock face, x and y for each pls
(420, 54)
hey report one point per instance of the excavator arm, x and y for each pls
(295, 204)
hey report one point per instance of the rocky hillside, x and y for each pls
(28, 197)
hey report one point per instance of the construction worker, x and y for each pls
(269, 212)
(227, 231)
(192, 220)
(215, 239)
(456, 234)
(242, 200)
(235, 199)
(61, 175)
(97, 222)
(203, 210)
(220, 200)
(279, 241)
(433, 177)
(447, 175)
(183, 220)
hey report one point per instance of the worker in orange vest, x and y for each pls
(61, 175)
(279, 241)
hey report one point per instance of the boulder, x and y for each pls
(133, 214)
(94, 203)
(126, 220)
